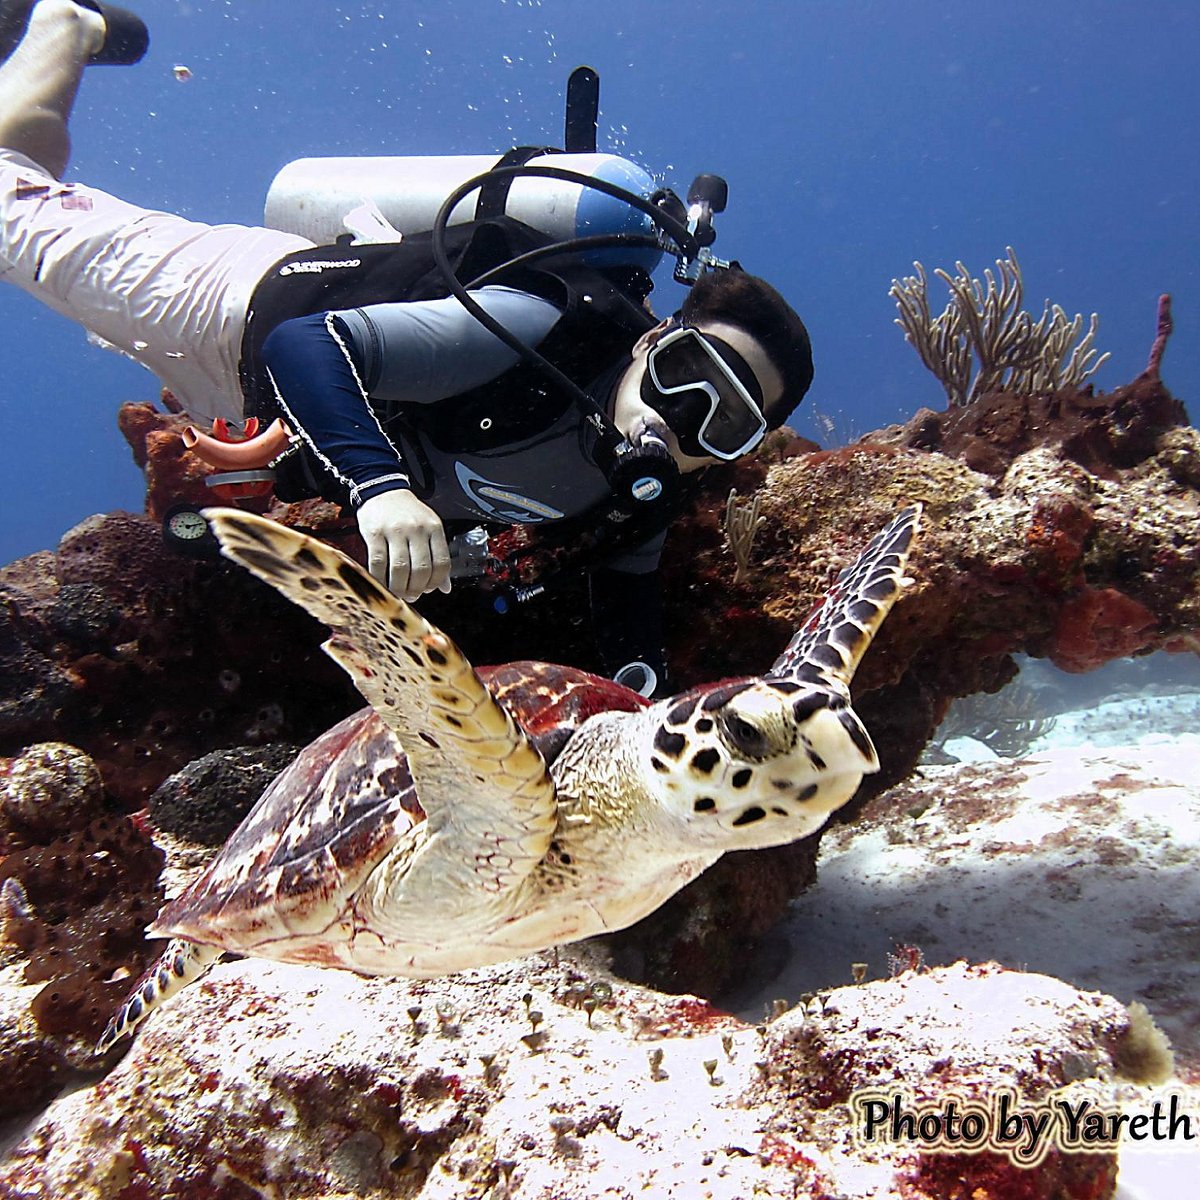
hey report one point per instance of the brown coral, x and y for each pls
(80, 884)
(135, 656)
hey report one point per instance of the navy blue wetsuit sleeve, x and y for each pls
(323, 401)
(323, 367)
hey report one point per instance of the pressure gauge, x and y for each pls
(186, 532)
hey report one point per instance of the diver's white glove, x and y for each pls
(406, 544)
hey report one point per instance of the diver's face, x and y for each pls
(631, 412)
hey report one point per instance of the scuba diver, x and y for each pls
(541, 392)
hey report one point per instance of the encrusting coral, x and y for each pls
(147, 661)
(79, 882)
(985, 330)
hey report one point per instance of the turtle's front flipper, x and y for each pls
(829, 646)
(180, 963)
(488, 797)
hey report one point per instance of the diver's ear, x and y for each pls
(647, 340)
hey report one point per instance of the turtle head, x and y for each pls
(753, 763)
(760, 762)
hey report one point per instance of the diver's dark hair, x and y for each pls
(739, 298)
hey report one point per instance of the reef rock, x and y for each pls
(206, 801)
(553, 1079)
(1076, 857)
(1080, 860)
(147, 661)
(78, 885)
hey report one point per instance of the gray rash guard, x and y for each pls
(429, 350)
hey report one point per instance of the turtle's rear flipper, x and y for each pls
(180, 963)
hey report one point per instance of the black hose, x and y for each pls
(610, 437)
(595, 241)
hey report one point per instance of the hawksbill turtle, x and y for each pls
(470, 817)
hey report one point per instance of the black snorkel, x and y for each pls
(644, 478)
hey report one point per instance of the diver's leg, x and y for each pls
(38, 83)
(171, 293)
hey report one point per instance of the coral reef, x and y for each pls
(554, 1079)
(78, 884)
(147, 661)
(1061, 525)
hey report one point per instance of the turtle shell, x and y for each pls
(550, 702)
(321, 827)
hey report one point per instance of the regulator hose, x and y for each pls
(610, 440)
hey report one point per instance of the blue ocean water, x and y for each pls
(856, 137)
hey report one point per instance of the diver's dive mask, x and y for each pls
(705, 392)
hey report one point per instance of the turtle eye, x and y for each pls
(744, 737)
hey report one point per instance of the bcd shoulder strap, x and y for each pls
(346, 276)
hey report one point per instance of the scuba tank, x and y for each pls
(312, 197)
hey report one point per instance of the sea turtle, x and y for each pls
(470, 817)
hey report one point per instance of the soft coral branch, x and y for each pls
(1165, 327)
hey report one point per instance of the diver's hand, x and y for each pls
(406, 544)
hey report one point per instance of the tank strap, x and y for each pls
(493, 195)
